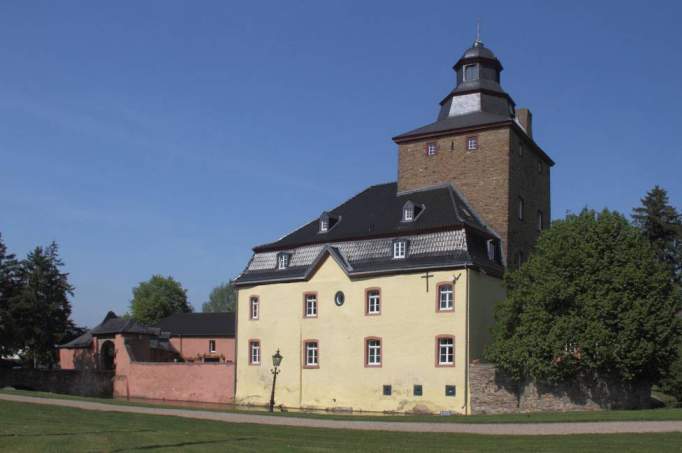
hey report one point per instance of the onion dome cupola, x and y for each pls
(478, 86)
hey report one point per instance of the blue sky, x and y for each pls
(170, 137)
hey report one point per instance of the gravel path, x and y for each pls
(532, 429)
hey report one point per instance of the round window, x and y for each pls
(339, 298)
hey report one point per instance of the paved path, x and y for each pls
(488, 428)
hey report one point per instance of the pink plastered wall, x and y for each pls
(190, 347)
(200, 382)
(66, 358)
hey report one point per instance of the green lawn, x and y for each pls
(29, 427)
(540, 417)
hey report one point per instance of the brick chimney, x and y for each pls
(526, 119)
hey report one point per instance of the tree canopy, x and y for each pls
(592, 299)
(40, 308)
(157, 298)
(662, 225)
(9, 286)
(223, 298)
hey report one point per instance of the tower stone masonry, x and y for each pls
(484, 146)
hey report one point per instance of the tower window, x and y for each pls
(431, 149)
(539, 167)
(472, 143)
(400, 249)
(254, 352)
(519, 259)
(446, 351)
(470, 72)
(373, 302)
(254, 308)
(310, 305)
(373, 352)
(520, 209)
(540, 221)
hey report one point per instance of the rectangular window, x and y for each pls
(254, 311)
(324, 226)
(450, 390)
(470, 72)
(431, 149)
(373, 352)
(520, 208)
(283, 261)
(540, 222)
(539, 167)
(254, 352)
(310, 306)
(445, 297)
(211, 346)
(311, 354)
(472, 143)
(373, 302)
(399, 249)
(408, 214)
(417, 390)
(446, 351)
(387, 390)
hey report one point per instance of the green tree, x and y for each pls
(223, 298)
(592, 300)
(41, 307)
(662, 225)
(157, 298)
(9, 286)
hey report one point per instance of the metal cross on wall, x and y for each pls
(427, 276)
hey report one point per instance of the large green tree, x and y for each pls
(223, 298)
(592, 300)
(662, 225)
(41, 309)
(9, 286)
(157, 298)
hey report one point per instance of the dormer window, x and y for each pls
(411, 211)
(327, 222)
(399, 248)
(283, 260)
(491, 249)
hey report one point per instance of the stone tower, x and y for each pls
(484, 146)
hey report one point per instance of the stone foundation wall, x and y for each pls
(494, 393)
(69, 382)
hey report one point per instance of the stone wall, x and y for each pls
(199, 382)
(69, 382)
(494, 393)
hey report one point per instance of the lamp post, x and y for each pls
(276, 360)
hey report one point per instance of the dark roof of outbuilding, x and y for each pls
(84, 341)
(377, 211)
(112, 324)
(199, 324)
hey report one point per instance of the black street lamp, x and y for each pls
(276, 360)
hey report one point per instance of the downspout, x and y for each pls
(467, 409)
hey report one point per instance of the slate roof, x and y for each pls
(469, 120)
(443, 235)
(112, 325)
(199, 324)
(377, 211)
(84, 341)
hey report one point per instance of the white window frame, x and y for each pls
(254, 308)
(373, 302)
(324, 226)
(408, 214)
(446, 303)
(446, 351)
(283, 261)
(254, 352)
(472, 143)
(311, 306)
(431, 149)
(312, 354)
(211, 346)
(373, 352)
(399, 249)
